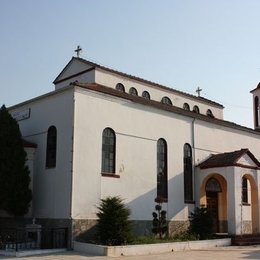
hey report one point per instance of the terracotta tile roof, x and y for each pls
(95, 65)
(159, 105)
(229, 159)
(29, 144)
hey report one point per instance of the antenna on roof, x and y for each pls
(198, 90)
(78, 50)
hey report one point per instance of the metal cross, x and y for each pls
(198, 90)
(78, 50)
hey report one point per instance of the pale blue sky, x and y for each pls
(178, 43)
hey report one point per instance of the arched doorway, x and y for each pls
(212, 189)
(213, 194)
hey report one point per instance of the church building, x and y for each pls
(104, 133)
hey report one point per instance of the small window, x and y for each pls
(108, 151)
(186, 106)
(146, 95)
(120, 87)
(209, 113)
(196, 109)
(166, 100)
(133, 91)
(51, 147)
(244, 190)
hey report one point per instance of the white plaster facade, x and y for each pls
(82, 110)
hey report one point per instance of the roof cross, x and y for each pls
(78, 50)
(198, 90)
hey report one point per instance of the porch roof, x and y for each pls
(230, 159)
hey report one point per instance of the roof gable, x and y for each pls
(73, 68)
(77, 66)
(241, 158)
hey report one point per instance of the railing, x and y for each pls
(36, 238)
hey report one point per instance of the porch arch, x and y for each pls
(221, 198)
(253, 202)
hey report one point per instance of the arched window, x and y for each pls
(186, 106)
(209, 113)
(133, 91)
(244, 190)
(196, 109)
(256, 108)
(146, 95)
(166, 100)
(51, 148)
(120, 87)
(108, 151)
(188, 183)
(162, 171)
(213, 185)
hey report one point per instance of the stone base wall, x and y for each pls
(177, 227)
(247, 227)
(84, 229)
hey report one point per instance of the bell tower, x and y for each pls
(256, 106)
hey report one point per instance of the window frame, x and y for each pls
(188, 173)
(133, 91)
(51, 147)
(120, 87)
(162, 171)
(108, 157)
(166, 101)
(146, 95)
(244, 196)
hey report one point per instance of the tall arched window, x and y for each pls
(51, 148)
(187, 164)
(244, 190)
(166, 100)
(256, 108)
(162, 171)
(108, 151)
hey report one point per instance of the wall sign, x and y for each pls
(21, 115)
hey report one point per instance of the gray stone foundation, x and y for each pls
(177, 227)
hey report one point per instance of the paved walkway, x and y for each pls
(227, 253)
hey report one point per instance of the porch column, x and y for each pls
(234, 201)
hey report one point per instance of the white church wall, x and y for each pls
(51, 187)
(137, 130)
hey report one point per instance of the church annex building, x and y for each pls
(104, 133)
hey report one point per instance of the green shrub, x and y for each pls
(113, 225)
(201, 223)
(160, 226)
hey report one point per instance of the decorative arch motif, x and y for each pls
(146, 95)
(167, 101)
(120, 87)
(196, 109)
(209, 113)
(186, 106)
(133, 91)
